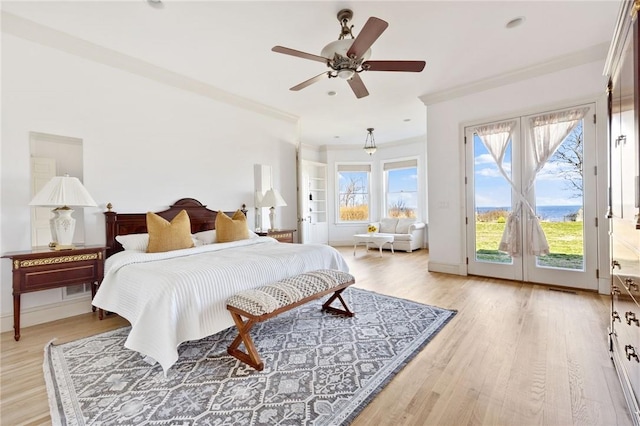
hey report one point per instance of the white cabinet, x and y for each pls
(624, 205)
(314, 209)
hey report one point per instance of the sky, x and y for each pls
(493, 190)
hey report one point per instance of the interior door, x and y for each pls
(531, 198)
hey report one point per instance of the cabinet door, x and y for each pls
(624, 154)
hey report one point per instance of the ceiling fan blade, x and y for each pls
(408, 66)
(309, 82)
(299, 54)
(357, 85)
(370, 33)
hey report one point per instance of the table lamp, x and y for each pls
(63, 192)
(272, 199)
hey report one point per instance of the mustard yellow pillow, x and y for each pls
(231, 228)
(167, 236)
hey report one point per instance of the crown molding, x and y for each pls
(422, 139)
(592, 54)
(49, 37)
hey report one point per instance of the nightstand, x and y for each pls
(43, 268)
(282, 235)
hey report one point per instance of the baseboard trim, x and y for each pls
(447, 268)
(47, 313)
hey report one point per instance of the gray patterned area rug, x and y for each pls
(320, 369)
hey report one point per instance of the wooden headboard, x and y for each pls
(201, 218)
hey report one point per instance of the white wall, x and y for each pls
(445, 122)
(145, 146)
(342, 234)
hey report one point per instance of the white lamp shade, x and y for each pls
(272, 198)
(63, 191)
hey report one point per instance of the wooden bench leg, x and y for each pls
(251, 357)
(338, 311)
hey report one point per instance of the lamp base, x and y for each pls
(59, 247)
(272, 218)
(63, 226)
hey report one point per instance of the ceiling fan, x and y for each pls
(346, 58)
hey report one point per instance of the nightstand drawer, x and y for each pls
(45, 278)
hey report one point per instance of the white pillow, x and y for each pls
(404, 224)
(209, 237)
(134, 242)
(388, 225)
(140, 242)
(206, 237)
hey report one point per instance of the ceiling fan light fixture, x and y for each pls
(346, 73)
(341, 47)
(370, 143)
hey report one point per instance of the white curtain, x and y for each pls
(547, 134)
(496, 137)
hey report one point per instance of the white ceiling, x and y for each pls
(228, 45)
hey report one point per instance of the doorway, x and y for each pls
(531, 198)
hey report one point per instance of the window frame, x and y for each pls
(399, 164)
(352, 167)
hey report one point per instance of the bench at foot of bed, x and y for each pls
(266, 302)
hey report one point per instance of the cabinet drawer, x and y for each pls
(624, 230)
(626, 256)
(42, 279)
(627, 331)
(628, 283)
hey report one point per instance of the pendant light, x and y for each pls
(370, 143)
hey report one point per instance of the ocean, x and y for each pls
(548, 213)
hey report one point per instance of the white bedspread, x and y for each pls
(176, 296)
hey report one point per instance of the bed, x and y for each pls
(176, 296)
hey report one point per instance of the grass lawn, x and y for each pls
(565, 244)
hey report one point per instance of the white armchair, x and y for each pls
(408, 233)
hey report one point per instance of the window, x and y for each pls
(353, 192)
(401, 186)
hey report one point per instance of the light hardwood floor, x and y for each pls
(515, 354)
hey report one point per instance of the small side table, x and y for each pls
(43, 268)
(282, 235)
(378, 239)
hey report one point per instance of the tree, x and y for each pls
(350, 191)
(569, 154)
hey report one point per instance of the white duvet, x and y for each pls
(176, 296)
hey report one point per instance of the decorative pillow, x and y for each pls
(388, 225)
(167, 236)
(134, 242)
(403, 225)
(231, 228)
(206, 237)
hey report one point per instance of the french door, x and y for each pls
(531, 198)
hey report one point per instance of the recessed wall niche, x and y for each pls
(53, 155)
